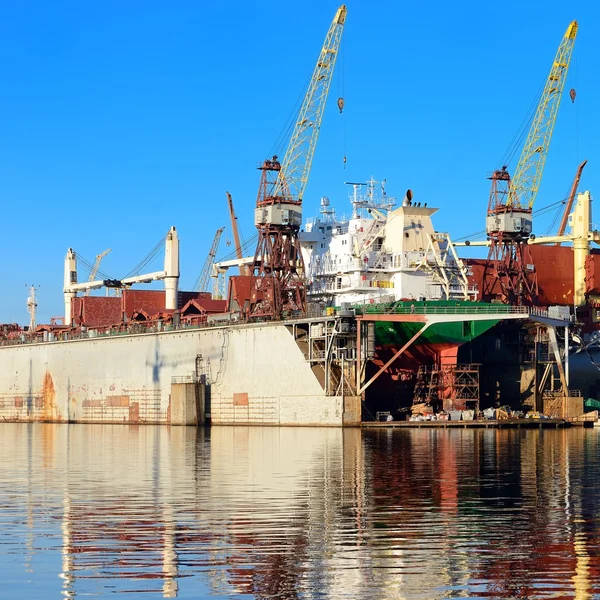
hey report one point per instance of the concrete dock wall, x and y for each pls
(255, 374)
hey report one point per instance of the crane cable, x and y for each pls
(536, 213)
(147, 259)
(518, 140)
(573, 75)
(558, 213)
(286, 131)
(341, 83)
(249, 243)
(89, 267)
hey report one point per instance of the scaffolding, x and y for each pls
(448, 387)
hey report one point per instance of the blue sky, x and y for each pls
(122, 119)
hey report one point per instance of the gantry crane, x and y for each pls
(95, 268)
(278, 286)
(509, 220)
(203, 280)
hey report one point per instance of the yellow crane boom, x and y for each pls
(295, 166)
(528, 174)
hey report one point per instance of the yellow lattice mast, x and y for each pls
(295, 166)
(528, 174)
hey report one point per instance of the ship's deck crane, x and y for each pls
(278, 286)
(95, 268)
(170, 275)
(203, 280)
(509, 220)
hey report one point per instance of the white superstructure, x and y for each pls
(380, 253)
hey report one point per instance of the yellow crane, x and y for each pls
(278, 286)
(296, 164)
(528, 174)
(510, 273)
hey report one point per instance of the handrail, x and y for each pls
(138, 328)
(493, 309)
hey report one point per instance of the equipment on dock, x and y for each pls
(278, 285)
(509, 220)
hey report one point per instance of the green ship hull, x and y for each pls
(437, 335)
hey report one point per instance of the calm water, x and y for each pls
(237, 512)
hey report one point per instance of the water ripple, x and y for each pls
(298, 513)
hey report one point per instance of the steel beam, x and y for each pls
(396, 355)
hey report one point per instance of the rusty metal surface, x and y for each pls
(151, 301)
(96, 311)
(554, 267)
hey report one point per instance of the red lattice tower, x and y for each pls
(510, 272)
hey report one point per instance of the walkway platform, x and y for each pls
(450, 314)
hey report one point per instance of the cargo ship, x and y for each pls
(381, 258)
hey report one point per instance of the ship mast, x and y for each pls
(32, 308)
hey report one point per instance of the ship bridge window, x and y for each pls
(407, 234)
(328, 227)
(322, 229)
(322, 245)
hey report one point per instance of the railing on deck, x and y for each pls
(488, 309)
(316, 310)
(129, 329)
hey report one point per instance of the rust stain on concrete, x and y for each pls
(134, 412)
(48, 398)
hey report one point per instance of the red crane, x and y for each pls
(278, 286)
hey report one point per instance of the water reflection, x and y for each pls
(298, 513)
